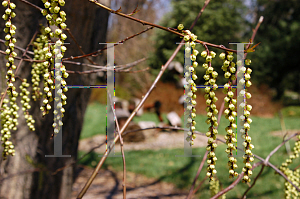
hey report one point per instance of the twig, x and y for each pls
(20, 58)
(19, 48)
(79, 47)
(254, 181)
(99, 51)
(234, 183)
(158, 26)
(136, 71)
(200, 184)
(261, 19)
(121, 145)
(104, 68)
(280, 145)
(32, 5)
(197, 175)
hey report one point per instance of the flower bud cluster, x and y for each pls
(294, 155)
(191, 77)
(57, 17)
(214, 186)
(294, 176)
(228, 65)
(9, 113)
(211, 110)
(25, 102)
(230, 112)
(9, 121)
(290, 190)
(245, 121)
(38, 68)
(48, 80)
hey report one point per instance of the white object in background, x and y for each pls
(182, 82)
(181, 99)
(141, 111)
(146, 124)
(125, 104)
(174, 119)
(176, 66)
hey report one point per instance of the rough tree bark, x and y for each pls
(89, 26)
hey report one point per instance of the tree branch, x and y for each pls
(158, 26)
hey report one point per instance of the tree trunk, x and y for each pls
(29, 174)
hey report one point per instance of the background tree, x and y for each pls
(121, 28)
(277, 59)
(219, 27)
(88, 24)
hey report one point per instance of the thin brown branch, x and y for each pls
(197, 175)
(136, 71)
(96, 53)
(27, 48)
(19, 48)
(254, 181)
(158, 26)
(200, 184)
(234, 183)
(20, 58)
(280, 145)
(79, 47)
(104, 68)
(32, 5)
(121, 145)
(200, 13)
(261, 19)
(297, 167)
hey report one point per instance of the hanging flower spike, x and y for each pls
(38, 69)
(25, 102)
(48, 75)
(9, 112)
(230, 112)
(245, 120)
(191, 76)
(294, 176)
(57, 17)
(211, 110)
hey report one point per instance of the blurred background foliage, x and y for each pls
(275, 62)
(221, 22)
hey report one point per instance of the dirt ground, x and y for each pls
(108, 183)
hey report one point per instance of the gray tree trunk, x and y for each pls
(18, 180)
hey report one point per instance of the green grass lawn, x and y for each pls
(94, 120)
(164, 166)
